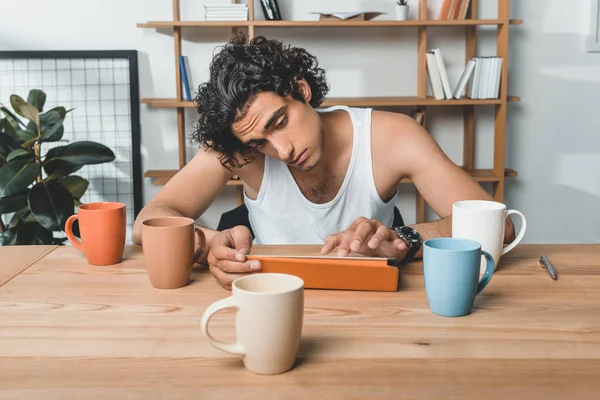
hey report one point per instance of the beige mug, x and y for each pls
(268, 323)
(170, 246)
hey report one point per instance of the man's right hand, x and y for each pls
(227, 257)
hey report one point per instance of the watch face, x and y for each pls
(411, 234)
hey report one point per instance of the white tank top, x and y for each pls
(282, 215)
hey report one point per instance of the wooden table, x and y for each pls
(70, 330)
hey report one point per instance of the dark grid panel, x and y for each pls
(98, 89)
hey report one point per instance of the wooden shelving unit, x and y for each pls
(496, 176)
(324, 24)
(356, 101)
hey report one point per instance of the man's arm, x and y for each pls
(413, 153)
(189, 193)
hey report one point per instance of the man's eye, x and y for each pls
(282, 122)
(256, 144)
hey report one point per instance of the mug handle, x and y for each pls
(69, 231)
(489, 271)
(521, 232)
(201, 243)
(229, 302)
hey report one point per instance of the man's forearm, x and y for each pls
(443, 228)
(209, 234)
(157, 212)
(430, 230)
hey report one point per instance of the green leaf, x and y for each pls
(32, 233)
(17, 175)
(60, 168)
(37, 98)
(81, 153)
(52, 124)
(50, 118)
(61, 111)
(25, 110)
(8, 238)
(29, 143)
(75, 184)
(11, 123)
(18, 153)
(51, 204)
(26, 134)
(7, 145)
(32, 126)
(52, 129)
(23, 215)
(14, 203)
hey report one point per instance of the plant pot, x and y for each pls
(401, 12)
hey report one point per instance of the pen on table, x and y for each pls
(547, 265)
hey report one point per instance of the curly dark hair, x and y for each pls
(238, 73)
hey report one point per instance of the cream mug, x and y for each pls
(484, 221)
(268, 322)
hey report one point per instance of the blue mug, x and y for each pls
(451, 272)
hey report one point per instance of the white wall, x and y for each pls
(553, 135)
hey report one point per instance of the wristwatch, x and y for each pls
(412, 239)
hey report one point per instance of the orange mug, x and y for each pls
(170, 246)
(102, 226)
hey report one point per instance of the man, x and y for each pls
(326, 176)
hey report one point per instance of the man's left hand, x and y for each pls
(368, 237)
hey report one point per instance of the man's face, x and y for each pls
(282, 128)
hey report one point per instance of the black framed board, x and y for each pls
(102, 88)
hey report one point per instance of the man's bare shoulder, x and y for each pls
(385, 120)
(397, 139)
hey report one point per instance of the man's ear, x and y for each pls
(304, 89)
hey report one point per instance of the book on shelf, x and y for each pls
(271, 10)
(438, 76)
(483, 78)
(226, 12)
(480, 78)
(185, 81)
(454, 9)
(348, 16)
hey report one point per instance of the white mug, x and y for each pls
(268, 321)
(484, 221)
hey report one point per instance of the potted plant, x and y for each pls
(37, 189)
(401, 10)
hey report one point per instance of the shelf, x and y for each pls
(355, 102)
(324, 24)
(480, 175)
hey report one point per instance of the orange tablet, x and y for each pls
(348, 273)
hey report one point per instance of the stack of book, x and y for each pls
(481, 74)
(226, 12)
(454, 9)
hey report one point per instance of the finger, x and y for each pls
(222, 277)
(363, 230)
(222, 249)
(344, 247)
(331, 242)
(225, 279)
(400, 244)
(243, 240)
(396, 248)
(382, 234)
(234, 267)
